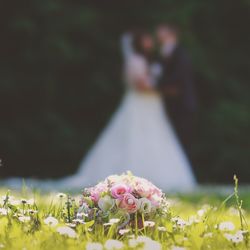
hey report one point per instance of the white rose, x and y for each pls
(106, 203)
(145, 205)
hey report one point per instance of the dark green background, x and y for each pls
(60, 80)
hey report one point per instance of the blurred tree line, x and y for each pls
(60, 80)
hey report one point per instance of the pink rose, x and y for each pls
(155, 200)
(157, 191)
(119, 190)
(96, 192)
(95, 196)
(143, 189)
(129, 203)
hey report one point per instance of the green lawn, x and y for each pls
(33, 220)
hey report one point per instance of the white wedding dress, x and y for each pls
(139, 138)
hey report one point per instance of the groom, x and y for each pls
(177, 83)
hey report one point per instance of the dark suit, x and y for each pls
(177, 87)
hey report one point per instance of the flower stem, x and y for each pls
(136, 224)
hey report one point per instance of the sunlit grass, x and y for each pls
(30, 219)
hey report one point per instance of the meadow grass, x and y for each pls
(31, 219)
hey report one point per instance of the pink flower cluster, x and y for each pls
(125, 192)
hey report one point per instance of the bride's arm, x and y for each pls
(126, 45)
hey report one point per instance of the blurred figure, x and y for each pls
(177, 82)
(139, 137)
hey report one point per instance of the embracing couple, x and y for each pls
(169, 71)
(143, 135)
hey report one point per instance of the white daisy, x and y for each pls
(67, 231)
(78, 221)
(148, 244)
(61, 195)
(235, 238)
(149, 223)
(124, 231)
(226, 226)
(114, 220)
(113, 245)
(94, 246)
(51, 221)
(179, 222)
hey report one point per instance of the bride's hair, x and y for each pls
(137, 41)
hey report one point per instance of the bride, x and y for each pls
(139, 137)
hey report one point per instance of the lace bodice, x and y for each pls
(136, 68)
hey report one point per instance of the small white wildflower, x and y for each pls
(111, 222)
(152, 244)
(67, 231)
(113, 244)
(242, 231)
(148, 243)
(1, 245)
(81, 215)
(24, 218)
(162, 229)
(179, 222)
(3, 211)
(61, 195)
(114, 220)
(51, 221)
(124, 231)
(235, 238)
(149, 224)
(201, 212)
(226, 226)
(78, 221)
(94, 246)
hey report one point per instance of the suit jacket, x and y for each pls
(178, 74)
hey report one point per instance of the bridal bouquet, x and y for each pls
(124, 198)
